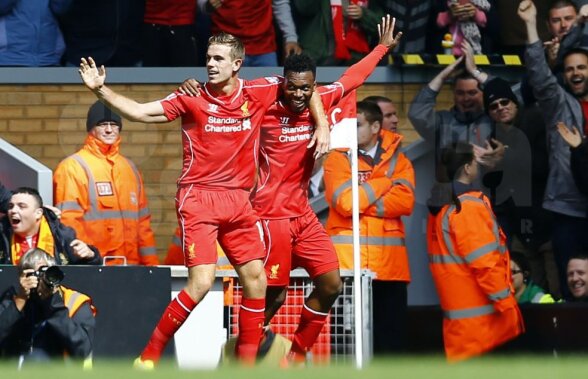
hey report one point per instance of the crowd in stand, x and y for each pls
(174, 32)
(513, 159)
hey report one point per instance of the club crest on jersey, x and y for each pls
(274, 271)
(247, 124)
(191, 252)
(213, 107)
(104, 189)
(245, 109)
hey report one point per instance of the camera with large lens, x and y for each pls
(50, 275)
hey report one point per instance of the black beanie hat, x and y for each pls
(98, 113)
(498, 89)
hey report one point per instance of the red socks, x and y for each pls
(311, 324)
(251, 318)
(172, 319)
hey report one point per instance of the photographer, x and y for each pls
(42, 319)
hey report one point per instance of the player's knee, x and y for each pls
(331, 287)
(252, 272)
(280, 299)
(198, 287)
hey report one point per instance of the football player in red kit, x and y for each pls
(294, 236)
(220, 136)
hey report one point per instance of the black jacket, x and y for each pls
(63, 236)
(109, 31)
(579, 165)
(44, 329)
(5, 196)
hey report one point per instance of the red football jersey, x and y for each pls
(285, 163)
(170, 12)
(251, 21)
(220, 135)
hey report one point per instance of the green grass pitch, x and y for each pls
(429, 367)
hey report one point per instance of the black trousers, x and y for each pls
(389, 316)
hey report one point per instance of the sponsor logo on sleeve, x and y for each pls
(272, 79)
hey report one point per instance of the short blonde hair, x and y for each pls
(237, 47)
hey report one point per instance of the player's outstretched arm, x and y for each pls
(321, 136)
(95, 77)
(356, 75)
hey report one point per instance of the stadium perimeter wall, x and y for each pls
(43, 113)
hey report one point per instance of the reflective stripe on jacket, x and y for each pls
(101, 195)
(73, 300)
(471, 269)
(386, 194)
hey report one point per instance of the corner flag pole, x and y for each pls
(357, 292)
(344, 135)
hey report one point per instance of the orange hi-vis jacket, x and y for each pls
(386, 192)
(470, 264)
(101, 195)
(73, 300)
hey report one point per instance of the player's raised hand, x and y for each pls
(386, 32)
(92, 76)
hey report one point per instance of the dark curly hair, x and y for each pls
(299, 63)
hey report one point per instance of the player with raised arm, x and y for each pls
(294, 235)
(220, 135)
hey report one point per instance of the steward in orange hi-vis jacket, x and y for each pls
(386, 192)
(469, 260)
(101, 194)
(470, 264)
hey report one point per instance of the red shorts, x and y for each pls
(297, 242)
(206, 216)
